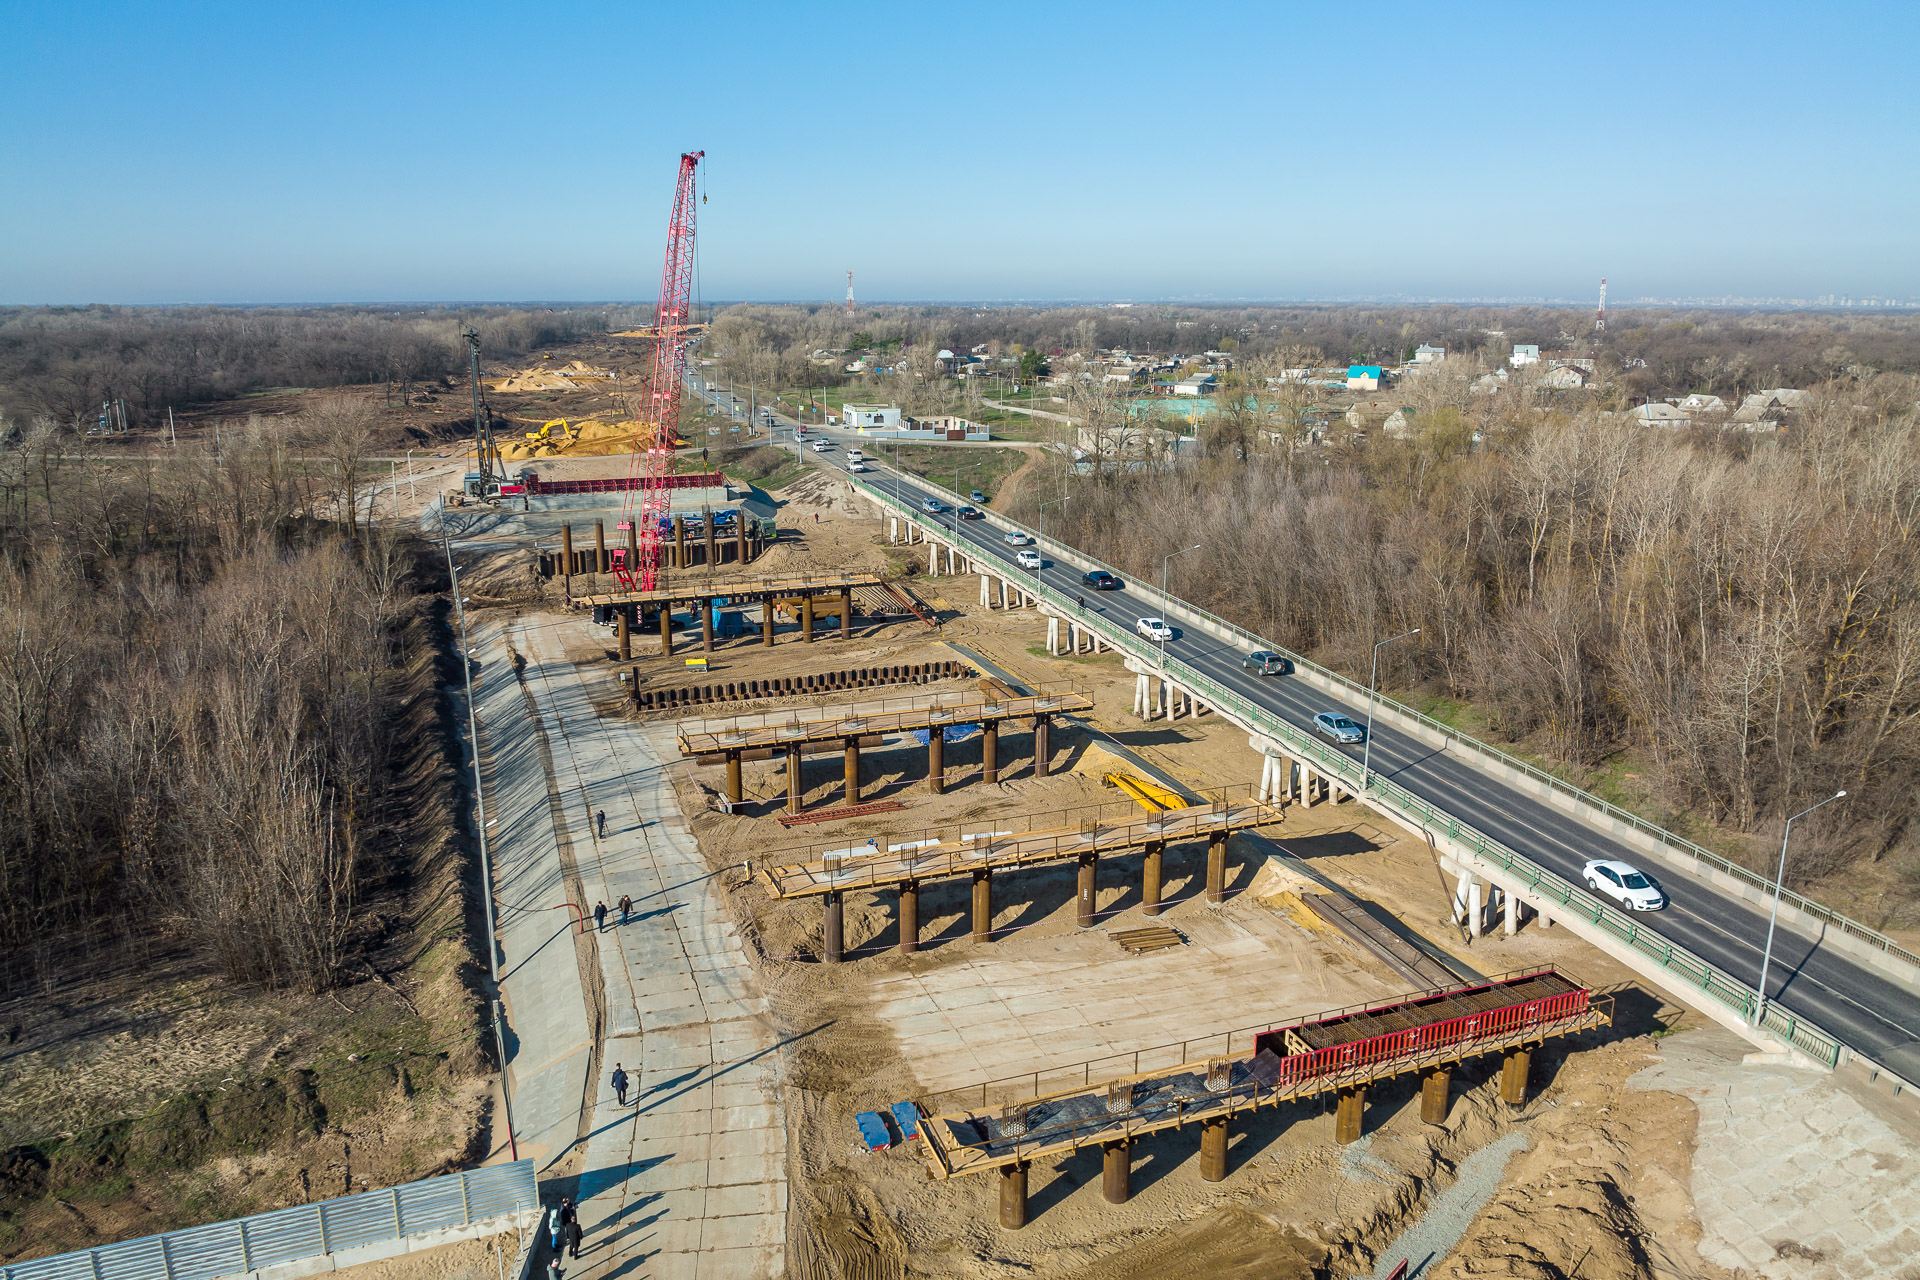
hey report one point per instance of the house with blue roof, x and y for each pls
(1364, 377)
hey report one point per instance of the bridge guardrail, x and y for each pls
(1415, 812)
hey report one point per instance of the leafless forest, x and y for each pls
(1741, 614)
(62, 363)
(195, 675)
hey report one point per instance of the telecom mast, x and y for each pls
(1600, 321)
(849, 291)
(657, 409)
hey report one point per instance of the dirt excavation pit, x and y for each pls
(1592, 1176)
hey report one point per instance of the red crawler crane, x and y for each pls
(658, 412)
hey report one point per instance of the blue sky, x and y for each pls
(161, 152)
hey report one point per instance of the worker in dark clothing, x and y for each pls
(620, 1083)
(600, 816)
(599, 916)
(573, 1238)
(626, 906)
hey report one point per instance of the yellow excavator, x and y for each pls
(545, 434)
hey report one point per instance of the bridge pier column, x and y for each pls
(1513, 1076)
(1213, 1150)
(893, 530)
(1053, 637)
(1116, 1171)
(1346, 1117)
(936, 759)
(793, 778)
(990, 751)
(852, 766)
(626, 639)
(733, 776)
(985, 601)
(834, 945)
(909, 914)
(1013, 1196)
(706, 625)
(1042, 745)
(1514, 907)
(666, 628)
(1217, 868)
(806, 618)
(1150, 867)
(1073, 638)
(1307, 796)
(1140, 696)
(982, 904)
(766, 622)
(846, 613)
(1476, 909)
(1433, 1095)
(1089, 889)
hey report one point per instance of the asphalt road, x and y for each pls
(1865, 1011)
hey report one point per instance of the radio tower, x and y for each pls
(1600, 321)
(849, 292)
(657, 410)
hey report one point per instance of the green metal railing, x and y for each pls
(1419, 814)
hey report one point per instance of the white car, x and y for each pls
(1625, 883)
(1015, 538)
(1154, 629)
(857, 465)
(821, 446)
(1028, 558)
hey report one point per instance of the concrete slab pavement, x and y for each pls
(549, 1039)
(689, 1179)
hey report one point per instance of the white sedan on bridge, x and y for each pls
(1154, 629)
(1625, 883)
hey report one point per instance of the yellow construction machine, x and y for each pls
(545, 434)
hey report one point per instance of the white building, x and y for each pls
(871, 417)
(1199, 384)
(1424, 354)
(1700, 402)
(1525, 353)
(1566, 377)
(1658, 413)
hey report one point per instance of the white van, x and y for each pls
(854, 455)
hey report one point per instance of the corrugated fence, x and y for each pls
(304, 1231)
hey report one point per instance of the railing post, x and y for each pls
(246, 1251)
(466, 1210)
(398, 1233)
(320, 1216)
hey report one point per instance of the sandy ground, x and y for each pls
(489, 1258)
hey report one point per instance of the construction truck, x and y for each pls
(477, 486)
(545, 434)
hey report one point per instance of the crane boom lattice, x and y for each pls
(657, 415)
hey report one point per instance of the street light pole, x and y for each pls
(1163, 596)
(1760, 1005)
(1373, 678)
(1042, 552)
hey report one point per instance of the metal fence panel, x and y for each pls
(302, 1231)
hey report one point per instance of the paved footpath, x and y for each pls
(689, 1178)
(550, 1045)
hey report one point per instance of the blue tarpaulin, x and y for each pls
(952, 733)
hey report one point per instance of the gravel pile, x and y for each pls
(1431, 1238)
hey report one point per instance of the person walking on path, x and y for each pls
(554, 1224)
(620, 1083)
(573, 1238)
(626, 906)
(599, 916)
(553, 1266)
(600, 816)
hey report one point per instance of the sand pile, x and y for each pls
(546, 377)
(592, 439)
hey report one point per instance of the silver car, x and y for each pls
(1338, 727)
